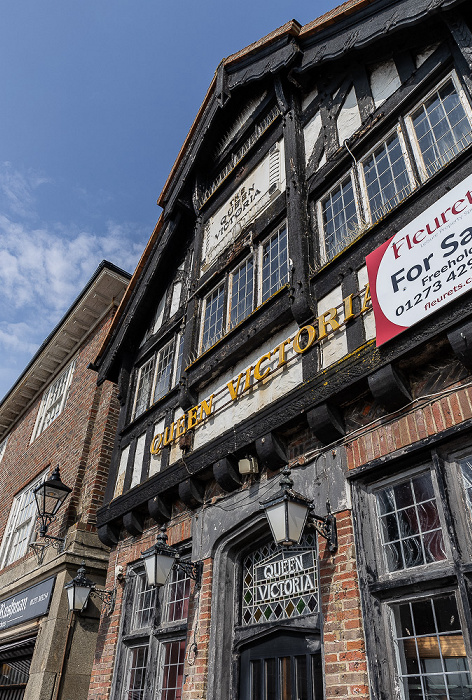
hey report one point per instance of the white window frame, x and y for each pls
(3, 447)
(21, 501)
(226, 284)
(48, 400)
(411, 130)
(360, 171)
(319, 214)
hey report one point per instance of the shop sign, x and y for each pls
(264, 369)
(282, 577)
(424, 266)
(253, 195)
(30, 603)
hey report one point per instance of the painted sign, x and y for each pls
(30, 603)
(424, 266)
(264, 368)
(285, 576)
(254, 194)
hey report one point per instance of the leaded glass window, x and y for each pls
(165, 361)
(177, 596)
(442, 127)
(409, 523)
(145, 602)
(340, 219)
(466, 469)
(144, 386)
(274, 263)
(173, 670)
(432, 660)
(242, 292)
(280, 583)
(136, 672)
(386, 177)
(213, 319)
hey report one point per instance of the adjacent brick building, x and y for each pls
(55, 415)
(323, 157)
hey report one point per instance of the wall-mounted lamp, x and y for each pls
(49, 497)
(288, 512)
(161, 558)
(81, 588)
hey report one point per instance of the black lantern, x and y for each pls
(50, 495)
(81, 588)
(288, 512)
(161, 557)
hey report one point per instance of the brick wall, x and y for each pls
(79, 440)
(345, 666)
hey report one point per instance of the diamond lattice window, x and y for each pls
(279, 583)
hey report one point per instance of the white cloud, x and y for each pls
(44, 267)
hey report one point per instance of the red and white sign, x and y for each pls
(424, 266)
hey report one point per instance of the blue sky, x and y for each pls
(97, 98)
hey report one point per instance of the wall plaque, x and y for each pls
(30, 603)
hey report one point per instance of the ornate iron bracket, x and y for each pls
(325, 526)
(193, 570)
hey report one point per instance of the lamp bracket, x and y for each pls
(325, 526)
(39, 548)
(193, 570)
(108, 598)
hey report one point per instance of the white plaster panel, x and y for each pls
(349, 119)
(159, 313)
(251, 198)
(334, 347)
(322, 160)
(138, 461)
(175, 451)
(228, 413)
(367, 318)
(309, 98)
(311, 132)
(384, 80)
(120, 477)
(423, 55)
(155, 464)
(175, 302)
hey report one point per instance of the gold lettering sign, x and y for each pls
(304, 339)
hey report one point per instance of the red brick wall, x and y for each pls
(345, 666)
(79, 440)
(426, 417)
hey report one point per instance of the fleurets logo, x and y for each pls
(424, 266)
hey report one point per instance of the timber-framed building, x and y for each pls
(323, 157)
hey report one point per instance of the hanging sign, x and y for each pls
(30, 603)
(424, 266)
(282, 577)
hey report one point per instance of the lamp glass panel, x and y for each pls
(52, 500)
(78, 597)
(158, 567)
(297, 515)
(276, 517)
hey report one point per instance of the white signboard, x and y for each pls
(424, 266)
(254, 194)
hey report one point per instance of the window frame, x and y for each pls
(319, 214)
(13, 526)
(225, 283)
(3, 447)
(46, 404)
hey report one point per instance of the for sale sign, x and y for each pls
(424, 266)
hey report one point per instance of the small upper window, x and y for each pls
(20, 526)
(157, 375)
(340, 218)
(53, 401)
(253, 282)
(386, 177)
(3, 447)
(410, 527)
(466, 468)
(441, 127)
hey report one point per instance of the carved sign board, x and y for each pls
(253, 195)
(424, 266)
(30, 603)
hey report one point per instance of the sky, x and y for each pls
(97, 97)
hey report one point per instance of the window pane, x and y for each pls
(165, 361)
(466, 468)
(386, 178)
(409, 524)
(178, 593)
(442, 127)
(340, 222)
(431, 650)
(136, 675)
(213, 319)
(274, 264)
(242, 292)
(144, 386)
(145, 603)
(173, 671)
